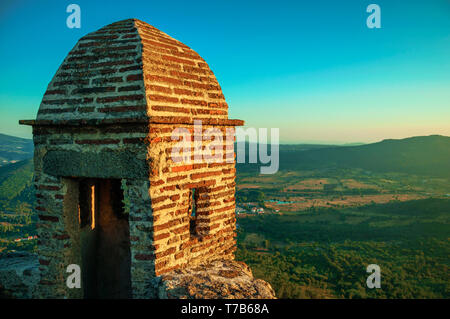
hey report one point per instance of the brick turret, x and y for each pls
(112, 196)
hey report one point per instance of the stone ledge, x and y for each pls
(151, 120)
(220, 279)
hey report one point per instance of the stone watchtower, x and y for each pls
(111, 197)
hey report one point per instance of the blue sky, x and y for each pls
(310, 68)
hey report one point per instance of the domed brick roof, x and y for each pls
(129, 71)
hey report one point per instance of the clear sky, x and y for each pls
(310, 68)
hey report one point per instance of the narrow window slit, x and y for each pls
(193, 197)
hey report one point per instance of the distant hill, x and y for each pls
(421, 155)
(14, 149)
(16, 171)
(16, 184)
(287, 147)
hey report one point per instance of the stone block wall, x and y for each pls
(63, 154)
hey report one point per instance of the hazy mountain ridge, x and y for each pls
(420, 155)
(423, 155)
(14, 149)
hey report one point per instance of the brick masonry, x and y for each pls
(130, 69)
(109, 112)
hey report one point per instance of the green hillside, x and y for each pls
(421, 155)
(325, 253)
(16, 184)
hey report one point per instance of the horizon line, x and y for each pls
(304, 142)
